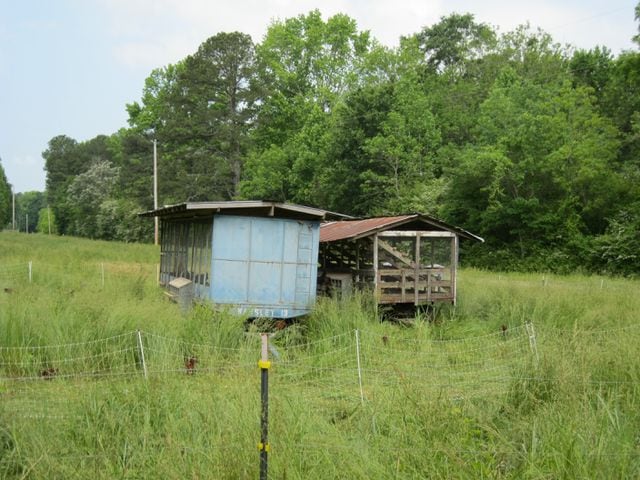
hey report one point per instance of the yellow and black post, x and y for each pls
(263, 446)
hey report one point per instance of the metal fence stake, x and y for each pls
(359, 365)
(263, 446)
(141, 348)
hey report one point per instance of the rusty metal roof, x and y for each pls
(355, 229)
(330, 232)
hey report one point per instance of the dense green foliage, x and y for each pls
(532, 145)
(461, 396)
(5, 199)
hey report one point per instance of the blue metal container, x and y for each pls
(264, 267)
(258, 258)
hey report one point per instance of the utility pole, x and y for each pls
(155, 188)
(14, 212)
(26, 227)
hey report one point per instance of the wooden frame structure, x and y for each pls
(408, 259)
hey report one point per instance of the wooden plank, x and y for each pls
(391, 299)
(411, 272)
(396, 253)
(416, 233)
(399, 284)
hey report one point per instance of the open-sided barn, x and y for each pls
(406, 259)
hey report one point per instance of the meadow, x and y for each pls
(530, 376)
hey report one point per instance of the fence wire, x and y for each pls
(57, 388)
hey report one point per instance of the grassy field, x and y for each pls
(529, 377)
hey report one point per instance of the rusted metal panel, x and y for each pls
(355, 229)
(330, 232)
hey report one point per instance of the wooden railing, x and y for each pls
(414, 286)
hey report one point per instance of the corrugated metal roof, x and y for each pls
(330, 232)
(242, 207)
(354, 229)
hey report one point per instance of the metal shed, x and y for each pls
(256, 257)
(406, 259)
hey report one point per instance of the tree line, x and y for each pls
(533, 145)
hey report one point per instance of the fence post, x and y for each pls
(263, 446)
(141, 348)
(30, 270)
(532, 340)
(102, 273)
(359, 365)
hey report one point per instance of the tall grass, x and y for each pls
(457, 393)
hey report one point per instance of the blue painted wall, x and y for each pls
(264, 267)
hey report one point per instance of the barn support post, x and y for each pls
(141, 348)
(264, 364)
(359, 365)
(454, 269)
(416, 275)
(376, 282)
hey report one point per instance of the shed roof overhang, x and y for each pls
(356, 229)
(257, 208)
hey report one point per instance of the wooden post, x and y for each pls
(454, 268)
(263, 446)
(375, 267)
(416, 279)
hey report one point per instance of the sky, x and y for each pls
(71, 66)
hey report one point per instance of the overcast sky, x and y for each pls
(70, 66)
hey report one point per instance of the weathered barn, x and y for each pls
(407, 259)
(258, 258)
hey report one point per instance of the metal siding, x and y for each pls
(264, 266)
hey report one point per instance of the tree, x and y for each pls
(636, 38)
(201, 111)
(381, 147)
(592, 68)
(62, 162)
(217, 96)
(307, 66)
(28, 206)
(617, 251)
(454, 42)
(5, 199)
(539, 175)
(86, 193)
(46, 221)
